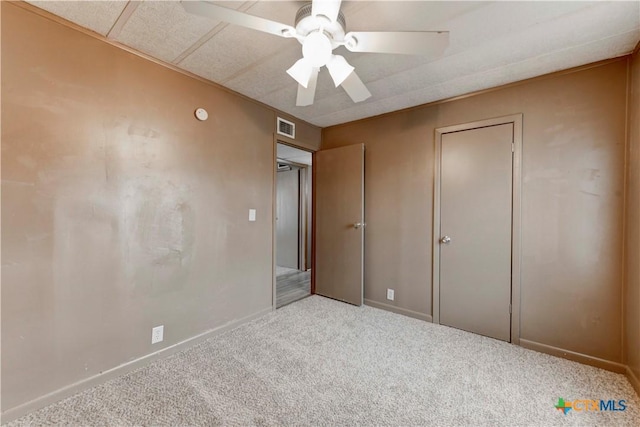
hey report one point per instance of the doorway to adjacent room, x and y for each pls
(293, 224)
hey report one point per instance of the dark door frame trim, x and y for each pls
(516, 213)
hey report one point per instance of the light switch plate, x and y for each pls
(252, 214)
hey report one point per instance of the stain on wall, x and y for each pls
(121, 211)
(572, 202)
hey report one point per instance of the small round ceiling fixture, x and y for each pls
(201, 114)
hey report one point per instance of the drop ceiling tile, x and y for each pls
(407, 15)
(464, 84)
(270, 76)
(280, 11)
(500, 19)
(163, 29)
(531, 42)
(98, 16)
(491, 43)
(236, 50)
(493, 61)
(230, 52)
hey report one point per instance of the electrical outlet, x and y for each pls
(157, 334)
(390, 294)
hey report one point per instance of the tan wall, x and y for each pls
(632, 271)
(572, 221)
(120, 211)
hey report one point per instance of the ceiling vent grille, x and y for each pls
(286, 128)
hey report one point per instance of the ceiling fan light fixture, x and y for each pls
(316, 49)
(320, 28)
(339, 69)
(301, 71)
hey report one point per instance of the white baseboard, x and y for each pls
(576, 357)
(57, 395)
(398, 310)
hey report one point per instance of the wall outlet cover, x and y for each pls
(390, 294)
(252, 214)
(157, 334)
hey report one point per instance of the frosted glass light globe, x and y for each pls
(316, 48)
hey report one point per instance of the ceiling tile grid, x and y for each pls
(98, 16)
(230, 51)
(269, 77)
(487, 79)
(498, 19)
(163, 29)
(236, 49)
(491, 44)
(453, 75)
(532, 42)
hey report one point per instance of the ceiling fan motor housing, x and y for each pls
(306, 24)
(319, 35)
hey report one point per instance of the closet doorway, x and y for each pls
(293, 224)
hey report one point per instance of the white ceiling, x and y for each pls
(491, 44)
(295, 155)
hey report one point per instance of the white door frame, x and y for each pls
(516, 212)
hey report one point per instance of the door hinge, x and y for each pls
(513, 147)
(509, 308)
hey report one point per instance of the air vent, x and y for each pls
(286, 128)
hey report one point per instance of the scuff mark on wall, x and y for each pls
(136, 130)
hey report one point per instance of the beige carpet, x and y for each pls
(321, 362)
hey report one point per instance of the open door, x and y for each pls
(339, 213)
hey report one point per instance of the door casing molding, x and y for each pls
(516, 212)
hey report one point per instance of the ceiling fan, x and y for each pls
(320, 28)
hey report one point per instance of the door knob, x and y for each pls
(358, 225)
(445, 240)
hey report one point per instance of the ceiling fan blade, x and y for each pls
(328, 8)
(232, 16)
(409, 42)
(355, 88)
(307, 94)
